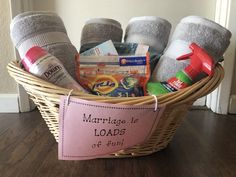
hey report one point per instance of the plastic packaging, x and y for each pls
(116, 76)
(44, 65)
(125, 49)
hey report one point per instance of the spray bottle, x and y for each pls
(200, 62)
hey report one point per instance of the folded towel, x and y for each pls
(46, 30)
(98, 30)
(149, 30)
(207, 34)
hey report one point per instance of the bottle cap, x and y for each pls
(32, 55)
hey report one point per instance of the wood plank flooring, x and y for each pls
(204, 146)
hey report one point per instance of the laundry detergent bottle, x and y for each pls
(200, 62)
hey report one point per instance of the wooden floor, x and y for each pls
(204, 146)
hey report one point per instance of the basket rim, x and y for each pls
(189, 94)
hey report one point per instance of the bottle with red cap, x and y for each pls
(200, 62)
(46, 66)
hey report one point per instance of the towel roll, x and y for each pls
(19, 16)
(149, 30)
(46, 30)
(98, 30)
(209, 35)
(29, 24)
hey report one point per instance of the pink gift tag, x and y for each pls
(89, 129)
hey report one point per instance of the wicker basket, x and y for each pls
(47, 96)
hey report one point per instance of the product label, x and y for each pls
(104, 84)
(168, 87)
(132, 61)
(114, 76)
(177, 84)
(51, 69)
(90, 129)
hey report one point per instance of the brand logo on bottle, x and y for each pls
(51, 71)
(177, 84)
(104, 84)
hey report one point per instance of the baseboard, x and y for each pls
(232, 104)
(200, 102)
(9, 103)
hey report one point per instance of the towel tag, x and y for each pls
(89, 129)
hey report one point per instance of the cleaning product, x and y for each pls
(115, 76)
(44, 65)
(125, 49)
(200, 62)
(209, 35)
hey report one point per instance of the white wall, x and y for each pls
(7, 84)
(74, 13)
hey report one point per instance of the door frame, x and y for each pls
(16, 7)
(218, 101)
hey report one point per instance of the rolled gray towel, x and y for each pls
(19, 16)
(149, 30)
(46, 30)
(29, 24)
(209, 35)
(98, 30)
